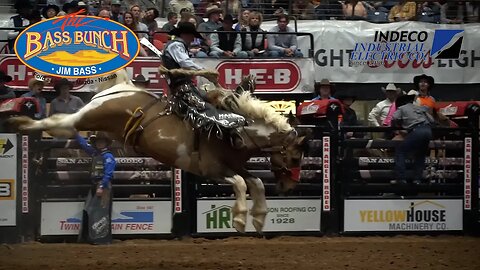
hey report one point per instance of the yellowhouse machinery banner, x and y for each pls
(403, 215)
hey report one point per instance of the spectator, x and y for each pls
(130, 22)
(141, 82)
(231, 7)
(227, 44)
(172, 18)
(198, 47)
(136, 11)
(283, 45)
(323, 90)
(349, 116)
(71, 7)
(243, 20)
(36, 86)
(82, 5)
(24, 9)
(150, 20)
(303, 10)
(417, 122)
(204, 5)
(354, 9)
(116, 11)
(451, 12)
(58, 3)
(177, 5)
(379, 113)
(65, 102)
(5, 91)
(403, 11)
(50, 11)
(104, 13)
(35, 17)
(213, 14)
(253, 43)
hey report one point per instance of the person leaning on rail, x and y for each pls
(96, 225)
(417, 122)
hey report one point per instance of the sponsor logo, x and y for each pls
(281, 76)
(77, 46)
(326, 173)
(420, 216)
(468, 174)
(178, 191)
(122, 221)
(282, 106)
(5, 146)
(218, 217)
(7, 189)
(447, 44)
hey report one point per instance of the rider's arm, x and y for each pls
(85, 146)
(108, 169)
(180, 55)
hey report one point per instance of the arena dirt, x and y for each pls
(281, 253)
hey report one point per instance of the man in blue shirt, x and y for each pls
(96, 224)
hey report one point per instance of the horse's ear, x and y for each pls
(292, 120)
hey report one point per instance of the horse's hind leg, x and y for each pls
(259, 208)
(239, 209)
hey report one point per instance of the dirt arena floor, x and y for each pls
(281, 253)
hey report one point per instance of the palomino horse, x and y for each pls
(171, 140)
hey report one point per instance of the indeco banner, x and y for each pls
(136, 217)
(214, 216)
(8, 179)
(363, 52)
(403, 215)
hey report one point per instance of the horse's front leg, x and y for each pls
(259, 209)
(239, 209)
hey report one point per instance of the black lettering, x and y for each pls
(403, 36)
(410, 38)
(440, 63)
(383, 36)
(427, 217)
(435, 216)
(422, 36)
(418, 216)
(474, 58)
(321, 61)
(442, 216)
(333, 57)
(394, 36)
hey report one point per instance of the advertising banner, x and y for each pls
(214, 216)
(403, 215)
(135, 217)
(8, 179)
(362, 52)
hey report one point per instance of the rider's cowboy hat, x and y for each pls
(212, 10)
(45, 9)
(185, 28)
(430, 80)
(99, 136)
(140, 79)
(34, 81)
(4, 77)
(391, 87)
(61, 83)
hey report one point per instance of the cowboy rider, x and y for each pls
(97, 214)
(203, 115)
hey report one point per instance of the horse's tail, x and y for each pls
(120, 76)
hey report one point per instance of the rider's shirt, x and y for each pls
(176, 56)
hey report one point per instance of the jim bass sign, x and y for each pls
(403, 215)
(77, 46)
(214, 216)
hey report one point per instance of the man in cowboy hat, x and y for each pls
(377, 115)
(227, 44)
(182, 87)
(36, 87)
(214, 14)
(323, 90)
(96, 222)
(5, 91)
(65, 102)
(349, 116)
(141, 81)
(417, 122)
(424, 84)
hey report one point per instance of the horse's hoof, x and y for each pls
(239, 225)
(258, 224)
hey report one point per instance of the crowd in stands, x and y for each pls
(144, 17)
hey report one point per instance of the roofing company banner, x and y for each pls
(362, 52)
(8, 179)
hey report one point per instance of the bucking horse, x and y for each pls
(145, 121)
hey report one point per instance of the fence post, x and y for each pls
(183, 199)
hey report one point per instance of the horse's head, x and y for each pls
(286, 161)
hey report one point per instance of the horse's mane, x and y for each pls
(254, 108)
